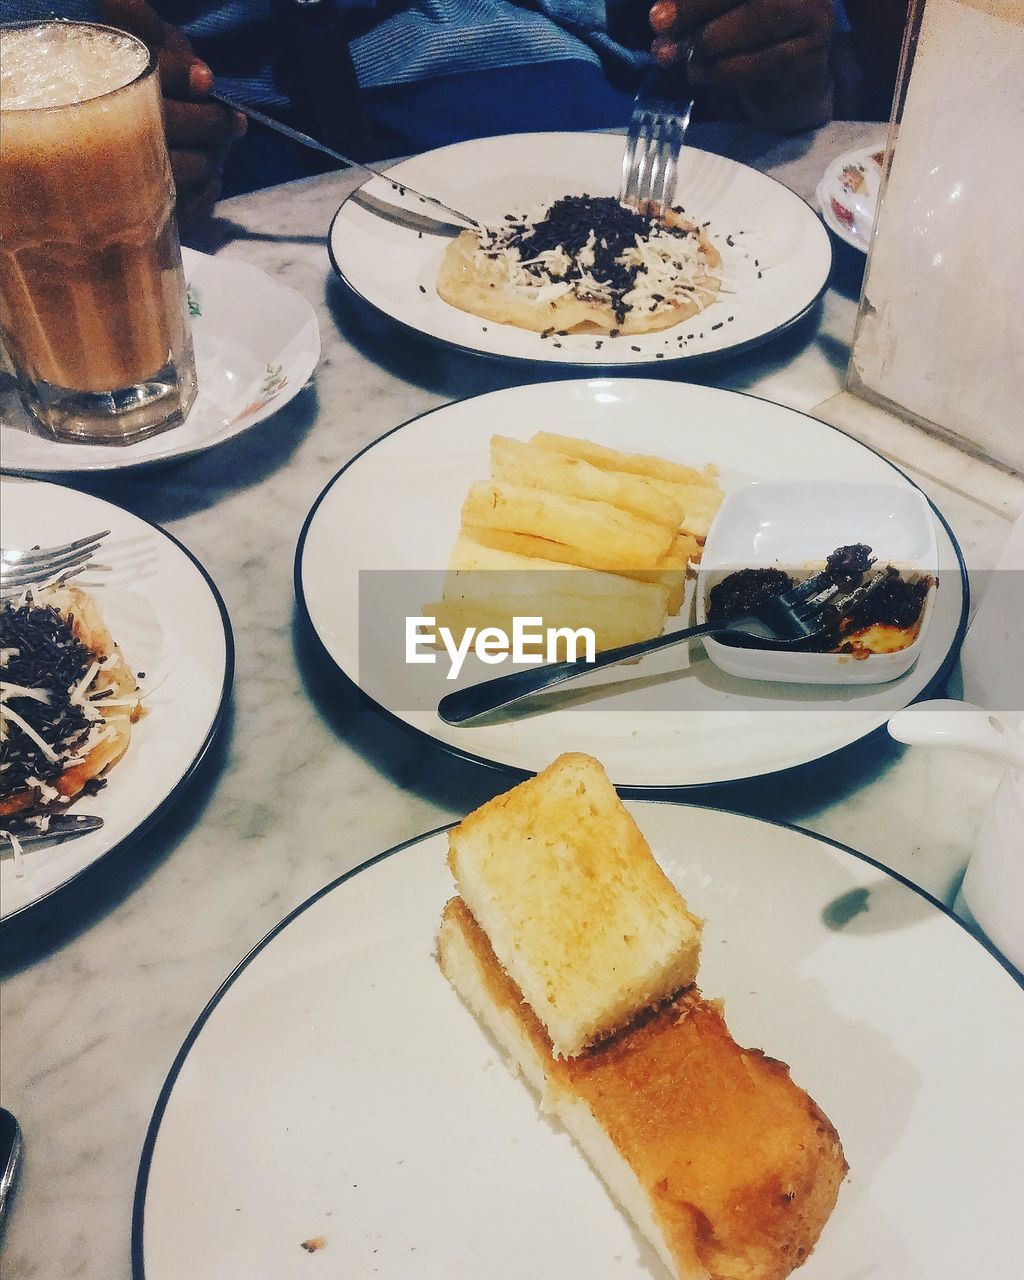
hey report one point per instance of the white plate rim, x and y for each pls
(19, 914)
(635, 791)
(822, 192)
(646, 364)
(82, 466)
(167, 1088)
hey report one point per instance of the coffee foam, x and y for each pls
(57, 64)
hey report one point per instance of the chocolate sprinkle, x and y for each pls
(48, 656)
(570, 223)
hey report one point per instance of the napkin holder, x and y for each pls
(940, 331)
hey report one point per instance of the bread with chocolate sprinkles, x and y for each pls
(583, 264)
(68, 698)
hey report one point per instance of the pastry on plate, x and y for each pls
(583, 264)
(69, 698)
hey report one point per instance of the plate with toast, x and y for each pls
(594, 498)
(572, 1036)
(533, 283)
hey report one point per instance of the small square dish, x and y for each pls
(795, 527)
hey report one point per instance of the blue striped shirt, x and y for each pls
(430, 72)
(415, 40)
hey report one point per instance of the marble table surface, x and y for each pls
(307, 782)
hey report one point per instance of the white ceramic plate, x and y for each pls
(679, 723)
(256, 342)
(392, 267)
(170, 621)
(336, 1086)
(848, 193)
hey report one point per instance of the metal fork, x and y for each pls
(21, 569)
(783, 622)
(657, 132)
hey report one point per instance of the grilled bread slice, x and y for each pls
(577, 910)
(724, 1164)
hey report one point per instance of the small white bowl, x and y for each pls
(794, 526)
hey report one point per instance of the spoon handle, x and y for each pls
(489, 695)
(943, 722)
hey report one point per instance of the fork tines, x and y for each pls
(21, 569)
(656, 135)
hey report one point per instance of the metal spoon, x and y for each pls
(305, 140)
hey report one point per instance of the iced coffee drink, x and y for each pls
(92, 297)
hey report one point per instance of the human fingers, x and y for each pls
(201, 124)
(136, 17)
(199, 202)
(761, 24)
(682, 17)
(182, 74)
(667, 52)
(790, 60)
(193, 168)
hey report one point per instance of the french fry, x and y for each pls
(471, 553)
(526, 544)
(639, 464)
(478, 572)
(701, 503)
(611, 538)
(671, 570)
(532, 591)
(539, 468)
(619, 528)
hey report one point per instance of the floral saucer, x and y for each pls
(256, 342)
(848, 193)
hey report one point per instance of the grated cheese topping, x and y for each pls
(599, 251)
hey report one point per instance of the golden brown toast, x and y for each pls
(574, 904)
(725, 1164)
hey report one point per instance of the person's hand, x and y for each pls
(198, 133)
(774, 52)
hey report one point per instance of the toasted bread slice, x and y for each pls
(560, 878)
(724, 1164)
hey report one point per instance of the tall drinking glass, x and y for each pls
(92, 297)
